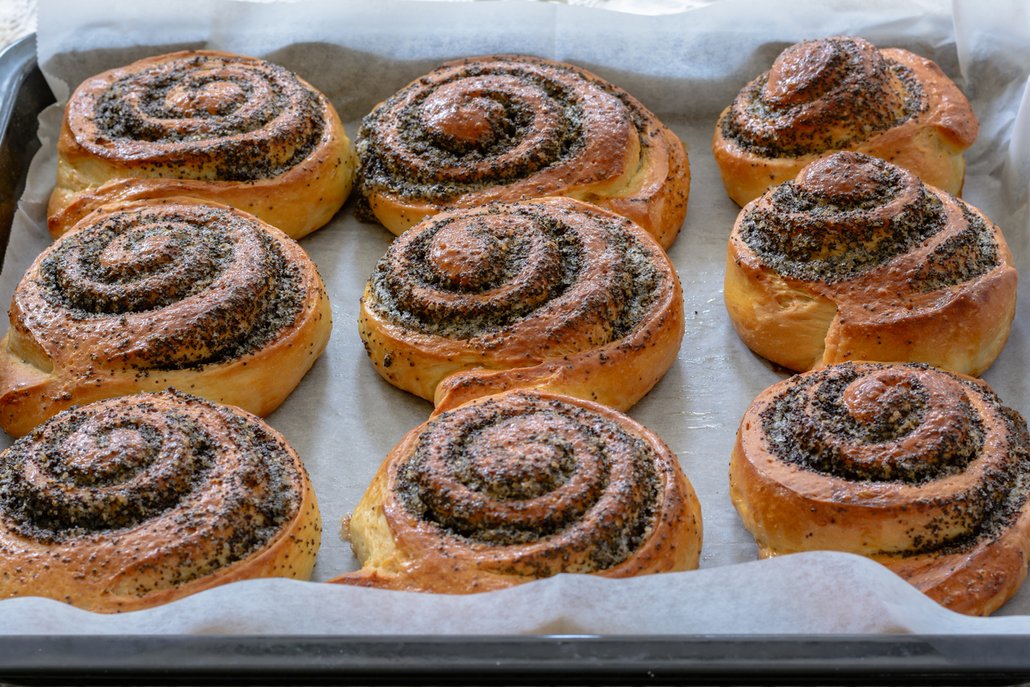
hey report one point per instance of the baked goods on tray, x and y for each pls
(519, 486)
(920, 469)
(511, 127)
(146, 295)
(680, 411)
(225, 128)
(550, 293)
(842, 93)
(856, 259)
(136, 501)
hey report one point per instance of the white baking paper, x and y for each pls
(343, 419)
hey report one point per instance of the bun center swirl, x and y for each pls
(471, 125)
(890, 424)
(92, 474)
(486, 273)
(804, 72)
(149, 464)
(238, 118)
(479, 119)
(127, 266)
(216, 98)
(844, 215)
(513, 460)
(193, 283)
(826, 94)
(543, 475)
(476, 255)
(852, 182)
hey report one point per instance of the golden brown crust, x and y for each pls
(155, 294)
(519, 486)
(512, 127)
(211, 125)
(857, 260)
(137, 501)
(841, 93)
(550, 293)
(922, 470)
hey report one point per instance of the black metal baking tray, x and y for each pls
(662, 659)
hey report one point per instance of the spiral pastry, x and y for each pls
(842, 93)
(210, 125)
(523, 485)
(148, 295)
(920, 469)
(140, 500)
(506, 128)
(856, 259)
(549, 293)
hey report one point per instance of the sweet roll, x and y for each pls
(210, 125)
(519, 486)
(856, 259)
(137, 501)
(512, 127)
(842, 93)
(155, 294)
(551, 293)
(920, 469)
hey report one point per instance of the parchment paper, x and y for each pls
(343, 419)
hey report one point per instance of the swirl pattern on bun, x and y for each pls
(842, 93)
(136, 501)
(211, 125)
(856, 259)
(147, 295)
(550, 293)
(511, 127)
(519, 486)
(923, 470)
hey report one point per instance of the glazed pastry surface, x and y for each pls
(842, 93)
(856, 259)
(519, 486)
(551, 293)
(132, 502)
(920, 469)
(512, 127)
(155, 294)
(211, 125)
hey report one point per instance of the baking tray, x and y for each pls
(564, 659)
